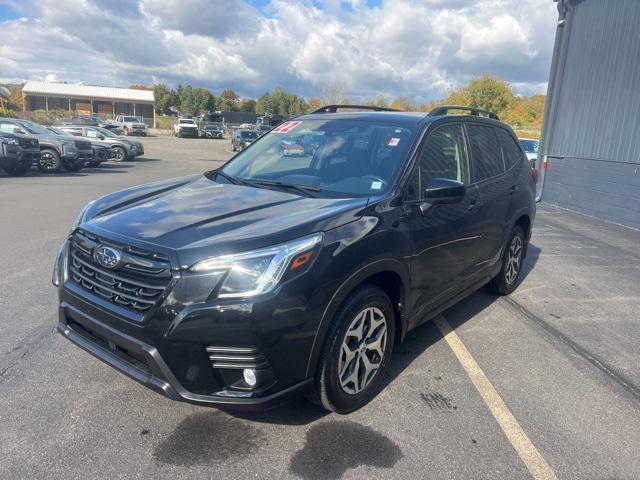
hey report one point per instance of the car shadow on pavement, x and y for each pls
(143, 159)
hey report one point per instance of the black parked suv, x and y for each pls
(56, 151)
(17, 153)
(279, 276)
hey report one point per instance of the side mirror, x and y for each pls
(444, 190)
(101, 137)
(20, 131)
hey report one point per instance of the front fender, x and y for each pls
(343, 291)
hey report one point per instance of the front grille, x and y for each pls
(137, 283)
(83, 144)
(26, 142)
(236, 357)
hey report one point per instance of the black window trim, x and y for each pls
(472, 161)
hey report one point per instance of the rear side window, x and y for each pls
(510, 149)
(485, 152)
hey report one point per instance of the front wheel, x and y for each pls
(507, 279)
(119, 155)
(357, 350)
(49, 161)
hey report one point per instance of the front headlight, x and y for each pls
(10, 141)
(259, 271)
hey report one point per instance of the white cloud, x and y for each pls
(415, 48)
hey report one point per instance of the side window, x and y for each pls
(485, 152)
(8, 127)
(444, 156)
(91, 133)
(510, 149)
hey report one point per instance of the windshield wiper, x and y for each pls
(234, 180)
(304, 189)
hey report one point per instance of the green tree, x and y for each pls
(487, 92)
(165, 98)
(229, 101)
(247, 105)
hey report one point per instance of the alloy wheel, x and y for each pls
(362, 350)
(514, 260)
(48, 161)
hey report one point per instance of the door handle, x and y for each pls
(474, 205)
(513, 188)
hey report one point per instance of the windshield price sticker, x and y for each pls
(286, 127)
(393, 142)
(376, 185)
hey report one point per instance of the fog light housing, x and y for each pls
(249, 375)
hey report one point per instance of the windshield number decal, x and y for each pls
(286, 127)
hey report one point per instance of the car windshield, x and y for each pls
(106, 132)
(131, 119)
(343, 158)
(188, 122)
(210, 127)
(530, 146)
(57, 131)
(34, 128)
(249, 135)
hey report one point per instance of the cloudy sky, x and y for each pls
(413, 48)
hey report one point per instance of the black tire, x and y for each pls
(17, 170)
(120, 155)
(74, 167)
(329, 391)
(508, 278)
(49, 161)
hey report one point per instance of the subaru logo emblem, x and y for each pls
(107, 257)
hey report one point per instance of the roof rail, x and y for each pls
(444, 110)
(334, 108)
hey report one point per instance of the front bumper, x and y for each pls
(142, 362)
(190, 347)
(188, 132)
(78, 157)
(17, 156)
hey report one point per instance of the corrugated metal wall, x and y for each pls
(594, 138)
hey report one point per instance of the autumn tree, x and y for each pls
(486, 92)
(165, 98)
(229, 101)
(247, 105)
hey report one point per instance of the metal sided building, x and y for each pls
(82, 99)
(590, 146)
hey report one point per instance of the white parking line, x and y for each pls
(527, 452)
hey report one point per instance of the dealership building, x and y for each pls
(590, 143)
(82, 99)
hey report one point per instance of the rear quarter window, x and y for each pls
(510, 148)
(486, 154)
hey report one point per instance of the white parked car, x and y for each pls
(530, 147)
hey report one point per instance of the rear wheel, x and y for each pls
(49, 161)
(357, 350)
(507, 279)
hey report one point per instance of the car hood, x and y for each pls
(195, 217)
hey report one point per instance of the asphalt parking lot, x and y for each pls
(544, 384)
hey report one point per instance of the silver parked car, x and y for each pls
(121, 148)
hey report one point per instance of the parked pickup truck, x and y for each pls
(18, 152)
(131, 125)
(56, 151)
(185, 127)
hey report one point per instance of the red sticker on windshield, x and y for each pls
(286, 127)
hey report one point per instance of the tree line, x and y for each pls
(487, 92)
